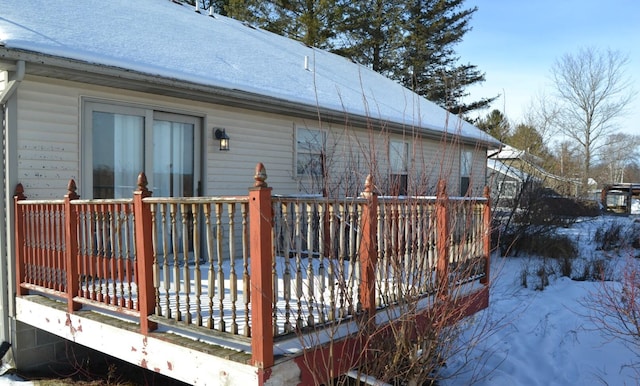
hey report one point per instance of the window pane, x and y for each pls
(309, 152)
(398, 157)
(309, 165)
(398, 185)
(118, 155)
(464, 185)
(173, 171)
(310, 140)
(466, 159)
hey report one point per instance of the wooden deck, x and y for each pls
(257, 280)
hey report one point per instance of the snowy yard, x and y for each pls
(544, 337)
(547, 337)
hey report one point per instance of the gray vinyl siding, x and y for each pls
(50, 138)
(48, 147)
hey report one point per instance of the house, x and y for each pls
(524, 166)
(508, 183)
(96, 92)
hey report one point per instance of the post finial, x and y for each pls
(368, 187)
(486, 192)
(261, 176)
(142, 186)
(441, 190)
(142, 182)
(71, 190)
(19, 192)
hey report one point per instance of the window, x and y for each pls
(466, 163)
(310, 145)
(122, 141)
(399, 167)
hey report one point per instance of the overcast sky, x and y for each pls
(516, 42)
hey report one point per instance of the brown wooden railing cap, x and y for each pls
(19, 192)
(260, 176)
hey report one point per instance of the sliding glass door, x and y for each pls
(124, 141)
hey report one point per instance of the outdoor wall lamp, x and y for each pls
(221, 136)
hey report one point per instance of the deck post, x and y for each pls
(486, 242)
(71, 247)
(368, 249)
(260, 229)
(20, 230)
(443, 238)
(144, 255)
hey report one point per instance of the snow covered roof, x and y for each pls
(170, 41)
(507, 152)
(509, 171)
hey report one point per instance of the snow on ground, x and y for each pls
(10, 379)
(548, 337)
(541, 337)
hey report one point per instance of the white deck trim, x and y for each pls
(175, 361)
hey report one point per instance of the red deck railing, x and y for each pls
(256, 267)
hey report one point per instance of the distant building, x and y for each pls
(508, 184)
(528, 167)
(621, 198)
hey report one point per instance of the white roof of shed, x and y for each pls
(509, 171)
(170, 40)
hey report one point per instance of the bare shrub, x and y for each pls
(594, 269)
(524, 276)
(544, 244)
(421, 315)
(617, 235)
(543, 272)
(528, 222)
(565, 266)
(415, 329)
(615, 309)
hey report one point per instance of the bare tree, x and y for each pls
(541, 114)
(592, 90)
(618, 152)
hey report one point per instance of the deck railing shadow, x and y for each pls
(256, 268)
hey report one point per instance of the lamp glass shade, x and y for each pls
(222, 136)
(224, 143)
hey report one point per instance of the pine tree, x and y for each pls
(495, 124)
(411, 41)
(312, 22)
(428, 63)
(526, 137)
(371, 33)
